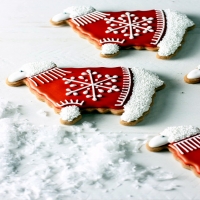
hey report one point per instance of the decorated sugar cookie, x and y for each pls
(183, 142)
(156, 30)
(193, 76)
(70, 91)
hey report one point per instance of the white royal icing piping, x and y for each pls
(109, 49)
(160, 27)
(69, 113)
(126, 87)
(144, 85)
(177, 23)
(89, 18)
(132, 25)
(98, 87)
(111, 40)
(178, 133)
(34, 68)
(188, 145)
(48, 75)
(66, 102)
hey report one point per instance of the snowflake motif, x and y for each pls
(90, 85)
(129, 22)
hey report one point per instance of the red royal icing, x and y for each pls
(125, 28)
(85, 87)
(188, 151)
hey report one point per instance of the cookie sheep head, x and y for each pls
(28, 70)
(71, 12)
(172, 134)
(193, 76)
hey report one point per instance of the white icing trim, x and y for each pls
(188, 145)
(109, 40)
(69, 113)
(89, 18)
(65, 103)
(144, 85)
(177, 24)
(178, 133)
(48, 75)
(160, 27)
(125, 88)
(109, 48)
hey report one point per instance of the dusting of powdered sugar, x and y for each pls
(109, 49)
(178, 133)
(77, 11)
(145, 83)
(7, 108)
(69, 113)
(177, 24)
(34, 68)
(59, 162)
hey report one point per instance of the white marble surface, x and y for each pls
(26, 35)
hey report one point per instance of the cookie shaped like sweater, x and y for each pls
(193, 76)
(123, 91)
(157, 30)
(183, 142)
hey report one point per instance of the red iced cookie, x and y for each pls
(119, 90)
(161, 30)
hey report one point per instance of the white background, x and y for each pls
(26, 35)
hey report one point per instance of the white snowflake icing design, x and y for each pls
(89, 84)
(129, 24)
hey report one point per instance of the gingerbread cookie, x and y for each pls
(193, 76)
(156, 30)
(183, 142)
(123, 91)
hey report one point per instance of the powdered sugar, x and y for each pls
(69, 113)
(177, 24)
(34, 68)
(51, 162)
(145, 83)
(178, 133)
(42, 113)
(7, 108)
(109, 49)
